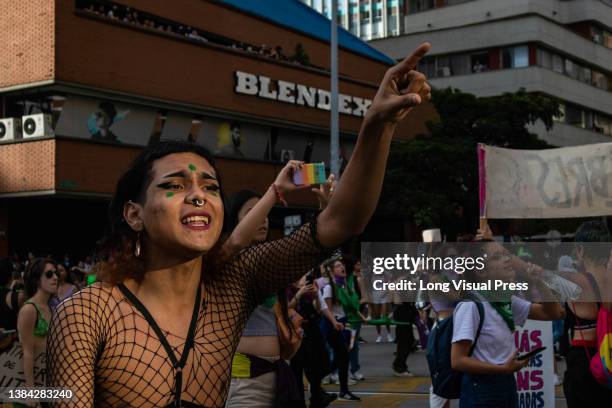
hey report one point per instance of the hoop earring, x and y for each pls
(137, 245)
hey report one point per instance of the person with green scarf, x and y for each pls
(339, 300)
(488, 378)
(349, 298)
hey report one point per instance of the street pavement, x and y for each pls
(382, 389)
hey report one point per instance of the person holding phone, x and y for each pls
(163, 325)
(312, 359)
(257, 366)
(333, 326)
(488, 378)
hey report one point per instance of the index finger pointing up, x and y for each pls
(411, 61)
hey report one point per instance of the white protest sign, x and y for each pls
(551, 183)
(535, 383)
(11, 368)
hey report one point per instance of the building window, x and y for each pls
(544, 58)
(428, 67)
(479, 62)
(452, 2)
(460, 64)
(599, 80)
(443, 68)
(561, 116)
(515, 57)
(586, 119)
(602, 125)
(557, 63)
(574, 116)
(414, 6)
(584, 74)
(571, 69)
(607, 39)
(597, 34)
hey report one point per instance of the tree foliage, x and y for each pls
(427, 175)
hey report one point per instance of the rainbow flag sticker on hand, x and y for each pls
(311, 173)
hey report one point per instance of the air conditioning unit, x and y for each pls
(287, 155)
(37, 125)
(10, 129)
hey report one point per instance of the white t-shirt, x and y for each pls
(336, 309)
(496, 342)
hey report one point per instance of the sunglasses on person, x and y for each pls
(49, 274)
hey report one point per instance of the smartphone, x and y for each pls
(310, 174)
(310, 279)
(531, 353)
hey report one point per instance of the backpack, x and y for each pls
(446, 382)
(601, 362)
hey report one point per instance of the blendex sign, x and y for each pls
(289, 92)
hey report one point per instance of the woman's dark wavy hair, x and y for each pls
(118, 245)
(33, 273)
(590, 235)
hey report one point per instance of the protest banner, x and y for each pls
(11, 368)
(550, 183)
(535, 383)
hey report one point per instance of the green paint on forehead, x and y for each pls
(169, 194)
(192, 167)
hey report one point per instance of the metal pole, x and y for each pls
(334, 139)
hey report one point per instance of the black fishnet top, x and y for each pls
(103, 349)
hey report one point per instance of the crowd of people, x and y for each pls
(125, 14)
(195, 306)
(175, 243)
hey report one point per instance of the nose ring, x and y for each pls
(197, 202)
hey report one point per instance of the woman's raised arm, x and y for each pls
(357, 193)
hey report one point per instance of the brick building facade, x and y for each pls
(168, 71)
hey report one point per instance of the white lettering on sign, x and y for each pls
(285, 91)
(246, 83)
(306, 95)
(288, 92)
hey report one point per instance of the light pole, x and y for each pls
(334, 136)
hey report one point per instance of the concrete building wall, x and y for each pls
(27, 43)
(475, 12)
(519, 30)
(564, 135)
(533, 79)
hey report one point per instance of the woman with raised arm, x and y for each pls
(162, 327)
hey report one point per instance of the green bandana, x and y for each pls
(269, 302)
(503, 308)
(349, 300)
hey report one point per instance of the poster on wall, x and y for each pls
(535, 383)
(104, 120)
(232, 138)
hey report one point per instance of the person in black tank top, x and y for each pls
(579, 385)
